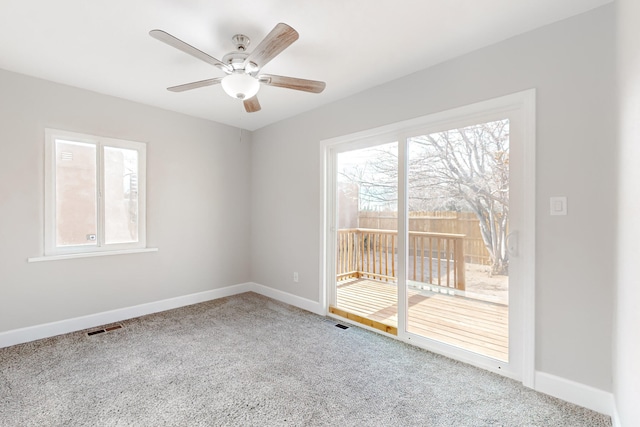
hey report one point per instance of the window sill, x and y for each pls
(90, 254)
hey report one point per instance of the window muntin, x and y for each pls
(95, 193)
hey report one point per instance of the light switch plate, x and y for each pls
(558, 205)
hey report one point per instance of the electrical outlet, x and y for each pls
(295, 276)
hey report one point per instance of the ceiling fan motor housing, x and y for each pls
(236, 60)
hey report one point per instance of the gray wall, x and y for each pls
(198, 203)
(571, 66)
(626, 368)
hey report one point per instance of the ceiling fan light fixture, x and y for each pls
(240, 85)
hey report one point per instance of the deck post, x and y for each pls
(459, 261)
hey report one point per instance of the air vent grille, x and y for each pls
(103, 330)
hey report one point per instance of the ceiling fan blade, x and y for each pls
(275, 42)
(187, 48)
(195, 85)
(313, 86)
(252, 105)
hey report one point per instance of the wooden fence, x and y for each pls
(436, 222)
(434, 258)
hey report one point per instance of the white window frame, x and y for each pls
(51, 250)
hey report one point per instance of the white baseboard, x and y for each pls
(303, 303)
(579, 394)
(32, 333)
(615, 418)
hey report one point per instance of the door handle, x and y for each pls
(512, 243)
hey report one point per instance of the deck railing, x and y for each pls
(433, 258)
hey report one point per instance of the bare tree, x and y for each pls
(465, 169)
(469, 167)
(377, 177)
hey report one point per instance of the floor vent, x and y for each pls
(100, 331)
(341, 326)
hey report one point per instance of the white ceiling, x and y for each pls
(352, 45)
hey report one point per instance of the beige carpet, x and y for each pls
(250, 361)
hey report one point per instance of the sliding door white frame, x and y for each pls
(520, 109)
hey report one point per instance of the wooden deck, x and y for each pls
(478, 326)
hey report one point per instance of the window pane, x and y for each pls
(76, 208)
(120, 195)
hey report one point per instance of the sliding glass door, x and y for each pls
(430, 232)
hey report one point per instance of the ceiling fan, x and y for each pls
(243, 77)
